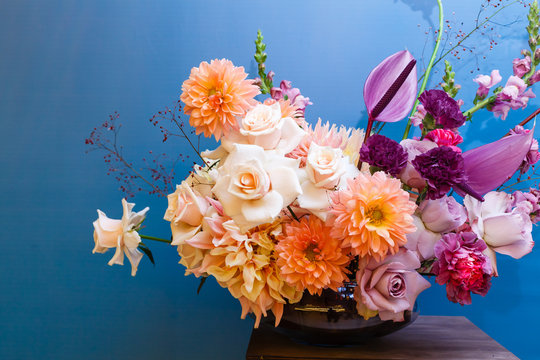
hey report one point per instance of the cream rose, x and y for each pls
(120, 234)
(263, 126)
(326, 168)
(255, 185)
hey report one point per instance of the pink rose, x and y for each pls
(444, 137)
(442, 215)
(389, 287)
(409, 175)
(486, 82)
(522, 66)
(422, 241)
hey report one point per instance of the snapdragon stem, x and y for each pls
(480, 105)
(153, 238)
(428, 69)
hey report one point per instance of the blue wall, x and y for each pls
(65, 65)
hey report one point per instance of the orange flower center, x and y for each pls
(312, 252)
(375, 215)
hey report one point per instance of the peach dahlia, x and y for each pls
(215, 94)
(309, 257)
(372, 215)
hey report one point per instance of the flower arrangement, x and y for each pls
(284, 206)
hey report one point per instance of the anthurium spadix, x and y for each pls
(390, 89)
(489, 166)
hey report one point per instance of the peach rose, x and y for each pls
(185, 212)
(120, 234)
(264, 126)
(255, 185)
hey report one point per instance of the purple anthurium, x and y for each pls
(489, 166)
(390, 89)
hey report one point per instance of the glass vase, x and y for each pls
(331, 319)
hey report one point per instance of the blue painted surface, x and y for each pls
(65, 65)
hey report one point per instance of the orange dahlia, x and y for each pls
(309, 257)
(372, 215)
(215, 94)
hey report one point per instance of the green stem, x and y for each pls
(480, 105)
(429, 67)
(154, 238)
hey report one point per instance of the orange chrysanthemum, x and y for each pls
(372, 215)
(309, 257)
(215, 94)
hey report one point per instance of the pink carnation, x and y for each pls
(444, 137)
(462, 266)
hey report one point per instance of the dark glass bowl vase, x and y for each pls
(331, 319)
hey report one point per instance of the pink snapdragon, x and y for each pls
(486, 82)
(522, 66)
(514, 96)
(462, 266)
(285, 89)
(444, 137)
(528, 202)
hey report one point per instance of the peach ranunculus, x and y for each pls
(255, 185)
(326, 169)
(120, 234)
(310, 258)
(373, 215)
(244, 264)
(264, 126)
(215, 94)
(390, 287)
(185, 212)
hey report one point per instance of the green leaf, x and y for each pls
(147, 252)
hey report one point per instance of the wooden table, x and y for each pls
(429, 337)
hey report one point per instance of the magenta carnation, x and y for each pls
(462, 266)
(442, 168)
(384, 153)
(444, 110)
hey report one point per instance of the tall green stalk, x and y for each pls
(429, 67)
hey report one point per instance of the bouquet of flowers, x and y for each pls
(284, 206)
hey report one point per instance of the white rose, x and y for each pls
(255, 185)
(263, 126)
(326, 168)
(506, 231)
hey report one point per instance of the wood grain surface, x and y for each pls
(429, 337)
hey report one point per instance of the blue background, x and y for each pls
(66, 65)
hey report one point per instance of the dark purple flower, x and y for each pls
(444, 110)
(442, 168)
(462, 266)
(384, 153)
